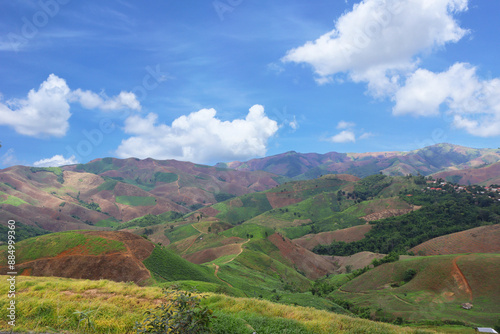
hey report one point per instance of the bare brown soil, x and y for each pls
(211, 254)
(356, 261)
(485, 175)
(483, 239)
(279, 200)
(460, 279)
(350, 234)
(121, 266)
(313, 265)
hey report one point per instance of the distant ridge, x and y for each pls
(426, 161)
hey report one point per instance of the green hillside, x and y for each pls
(165, 265)
(115, 308)
(53, 244)
(430, 289)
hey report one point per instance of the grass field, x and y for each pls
(180, 233)
(440, 286)
(9, 199)
(136, 200)
(53, 244)
(49, 304)
(165, 265)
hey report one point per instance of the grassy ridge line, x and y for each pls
(49, 303)
(53, 244)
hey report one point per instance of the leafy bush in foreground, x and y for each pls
(181, 314)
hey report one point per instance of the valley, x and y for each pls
(388, 247)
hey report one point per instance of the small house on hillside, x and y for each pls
(467, 306)
(485, 330)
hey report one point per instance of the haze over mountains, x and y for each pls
(425, 161)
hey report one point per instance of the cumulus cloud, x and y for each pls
(348, 135)
(199, 136)
(473, 103)
(345, 125)
(46, 111)
(91, 100)
(379, 40)
(55, 161)
(345, 136)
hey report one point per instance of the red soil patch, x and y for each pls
(121, 266)
(350, 234)
(26, 272)
(483, 239)
(313, 265)
(459, 277)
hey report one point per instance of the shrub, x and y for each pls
(409, 274)
(181, 314)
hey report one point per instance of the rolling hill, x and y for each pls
(107, 191)
(436, 290)
(483, 239)
(486, 175)
(428, 160)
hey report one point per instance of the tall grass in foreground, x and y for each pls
(55, 304)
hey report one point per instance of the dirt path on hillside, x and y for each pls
(216, 276)
(194, 240)
(241, 251)
(460, 278)
(357, 293)
(402, 300)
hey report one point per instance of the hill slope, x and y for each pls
(440, 285)
(95, 255)
(63, 297)
(486, 175)
(107, 191)
(483, 239)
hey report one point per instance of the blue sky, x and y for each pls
(210, 81)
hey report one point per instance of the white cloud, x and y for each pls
(55, 161)
(378, 41)
(91, 100)
(366, 135)
(344, 137)
(199, 136)
(46, 111)
(293, 123)
(9, 159)
(473, 103)
(345, 125)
